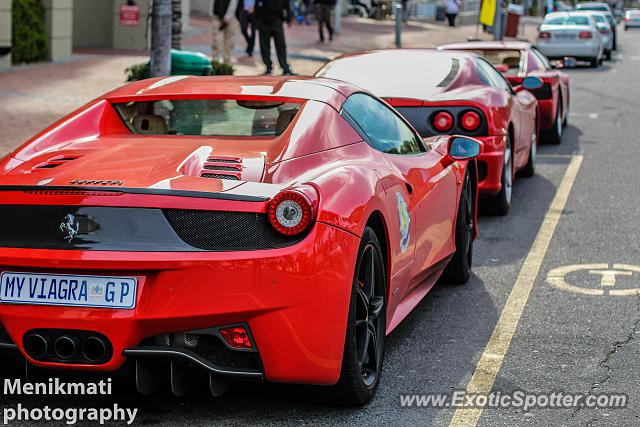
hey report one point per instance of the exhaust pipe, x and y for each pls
(36, 345)
(65, 347)
(94, 349)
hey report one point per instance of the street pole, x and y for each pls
(337, 17)
(398, 12)
(498, 22)
(161, 38)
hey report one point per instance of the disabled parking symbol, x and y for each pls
(596, 279)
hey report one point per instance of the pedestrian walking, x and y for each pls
(305, 11)
(248, 24)
(225, 26)
(270, 15)
(453, 8)
(324, 8)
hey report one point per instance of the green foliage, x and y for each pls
(29, 38)
(138, 72)
(221, 69)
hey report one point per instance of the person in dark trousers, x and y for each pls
(270, 14)
(324, 8)
(248, 24)
(453, 9)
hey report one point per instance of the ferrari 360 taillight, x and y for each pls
(470, 121)
(443, 121)
(293, 211)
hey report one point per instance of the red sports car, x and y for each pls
(518, 60)
(443, 93)
(264, 228)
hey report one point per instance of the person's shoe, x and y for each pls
(321, 38)
(268, 72)
(308, 21)
(288, 72)
(331, 36)
(300, 18)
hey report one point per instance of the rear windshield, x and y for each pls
(567, 20)
(594, 7)
(506, 61)
(208, 117)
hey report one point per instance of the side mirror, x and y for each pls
(530, 83)
(464, 148)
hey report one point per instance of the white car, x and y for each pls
(571, 34)
(606, 9)
(631, 19)
(605, 30)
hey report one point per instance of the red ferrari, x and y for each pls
(256, 228)
(518, 60)
(443, 93)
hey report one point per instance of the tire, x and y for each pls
(360, 375)
(554, 134)
(530, 169)
(501, 202)
(594, 62)
(607, 55)
(458, 271)
(565, 120)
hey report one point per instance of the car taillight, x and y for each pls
(292, 211)
(585, 34)
(443, 121)
(236, 337)
(470, 121)
(544, 35)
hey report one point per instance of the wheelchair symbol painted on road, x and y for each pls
(613, 279)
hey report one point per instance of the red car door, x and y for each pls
(432, 189)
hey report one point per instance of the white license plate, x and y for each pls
(68, 290)
(565, 36)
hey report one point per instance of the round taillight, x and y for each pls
(470, 121)
(443, 121)
(292, 211)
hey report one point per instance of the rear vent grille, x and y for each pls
(224, 167)
(217, 230)
(54, 162)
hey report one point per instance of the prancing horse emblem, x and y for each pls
(71, 226)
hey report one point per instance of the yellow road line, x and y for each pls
(494, 353)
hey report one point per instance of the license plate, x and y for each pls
(68, 290)
(565, 36)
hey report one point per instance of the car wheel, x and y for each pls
(530, 168)
(607, 55)
(554, 135)
(366, 327)
(501, 202)
(594, 62)
(565, 120)
(458, 271)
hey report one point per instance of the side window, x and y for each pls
(491, 76)
(541, 58)
(382, 128)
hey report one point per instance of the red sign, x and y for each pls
(129, 15)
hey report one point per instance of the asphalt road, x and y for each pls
(566, 340)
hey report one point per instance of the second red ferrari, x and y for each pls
(443, 93)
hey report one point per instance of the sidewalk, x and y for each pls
(33, 97)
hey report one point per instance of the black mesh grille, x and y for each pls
(215, 160)
(222, 168)
(214, 230)
(220, 176)
(210, 348)
(544, 92)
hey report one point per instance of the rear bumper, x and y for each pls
(490, 164)
(294, 300)
(578, 50)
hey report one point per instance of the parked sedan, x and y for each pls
(632, 19)
(606, 32)
(518, 60)
(444, 93)
(571, 34)
(212, 229)
(606, 9)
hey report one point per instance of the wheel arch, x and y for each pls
(379, 226)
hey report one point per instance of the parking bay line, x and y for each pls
(494, 353)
